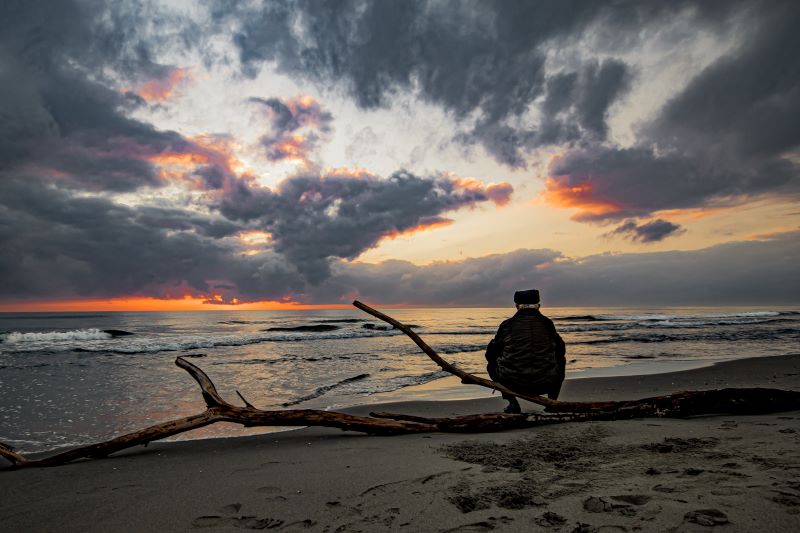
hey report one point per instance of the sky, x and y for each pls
(294, 154)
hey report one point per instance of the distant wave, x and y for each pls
(668, 324)
(308, 327)
(16, 337)
(738, 335)
(658, 317)
(35, 316)
(331, 321)
(155, 345)
(460, 348)
(463, 332)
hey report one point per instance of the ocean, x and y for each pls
(64, 380)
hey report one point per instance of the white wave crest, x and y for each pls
(74, 335)
(645, 317)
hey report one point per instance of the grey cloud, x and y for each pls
(56, 244)
(726, 137)
(287, 118)
(313, 218)
(178, 219)
(489, 280)
(59, 116)
(475, 59)
(739, 273)
(59, 245)
(652, 231)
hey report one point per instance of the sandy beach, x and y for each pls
(732, 473)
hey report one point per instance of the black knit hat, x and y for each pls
(526, 297)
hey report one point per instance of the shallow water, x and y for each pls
(63, 380)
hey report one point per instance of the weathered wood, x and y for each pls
(220, 411)
(466, 377)
(677, 405)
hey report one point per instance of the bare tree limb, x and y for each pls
(220, 411)
(678, 405)
(466, 377)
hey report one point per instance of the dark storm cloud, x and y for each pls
(177, 219)
(727, 136)
(58, 117)
(478, 60)
(56, 244)
(652, 231)
(489, 280)
(314, 218)
(749, 272)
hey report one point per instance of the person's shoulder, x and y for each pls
(507, 322)
(544, 318)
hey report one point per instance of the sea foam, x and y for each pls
(73, 335)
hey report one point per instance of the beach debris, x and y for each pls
(731, 401)
(551, 519)
(707, 517)
(594, 504)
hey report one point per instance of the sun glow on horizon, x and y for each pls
(141, 303)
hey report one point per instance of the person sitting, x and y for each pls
(527, 355)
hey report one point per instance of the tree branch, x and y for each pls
(679, 405)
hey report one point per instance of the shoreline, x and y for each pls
(647, 474)
(450, 389)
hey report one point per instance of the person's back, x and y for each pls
(527, 355)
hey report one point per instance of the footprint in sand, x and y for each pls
(550, 519)
(242, 522)
(268, 490)
(485, 525)
(475, 526)
(228, 516)
(706, 517)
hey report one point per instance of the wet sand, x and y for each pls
(719, 472)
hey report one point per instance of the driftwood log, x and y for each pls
(678, 405)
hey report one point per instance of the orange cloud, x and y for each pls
(692, 213)
(499, 193)
(161, 89)
(218, 152)
(560, 193)
(770, 234)
(423, 226)
(292, 147)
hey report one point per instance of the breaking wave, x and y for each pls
(739, 335)
(657, 317)
(148, 346)
(307, 327)
(90, 334)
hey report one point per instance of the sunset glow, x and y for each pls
(160, 90)
(261, 152)
(187, 303)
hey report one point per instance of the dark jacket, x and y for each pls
(527, 354)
